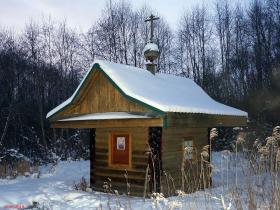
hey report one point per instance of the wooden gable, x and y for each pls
(100, 95)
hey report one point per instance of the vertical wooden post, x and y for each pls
(92, 156)
(155, 163)
(210, 156)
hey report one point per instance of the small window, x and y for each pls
(189, 149)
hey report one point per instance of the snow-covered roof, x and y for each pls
(164, 92)
(106, 116)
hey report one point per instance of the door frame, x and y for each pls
(110, 154)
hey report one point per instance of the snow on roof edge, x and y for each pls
(107, 116)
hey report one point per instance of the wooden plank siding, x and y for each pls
(136, 173)
(92, 155)
(172, 156)
(98, 96)
(196, 120)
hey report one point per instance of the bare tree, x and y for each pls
(224, 28)
(195, 37)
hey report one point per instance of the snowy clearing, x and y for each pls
(54, 189)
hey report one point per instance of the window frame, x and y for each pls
(192, 139)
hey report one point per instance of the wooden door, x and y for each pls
(120, 149)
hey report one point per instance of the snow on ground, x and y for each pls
(54, 190)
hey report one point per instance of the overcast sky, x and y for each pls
(82, 13)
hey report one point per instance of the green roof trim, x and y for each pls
(97, 67)
(165, 121)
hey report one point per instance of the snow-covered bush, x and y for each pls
(13, 163)
(71, 148)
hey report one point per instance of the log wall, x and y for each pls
(172, 157)
(136, 174)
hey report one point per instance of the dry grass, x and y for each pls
(14, 169)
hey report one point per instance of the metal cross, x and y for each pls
(152, 18)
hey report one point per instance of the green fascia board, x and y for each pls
(97, 66)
